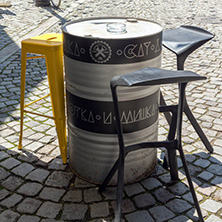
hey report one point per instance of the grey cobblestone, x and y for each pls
(161, 213)
(52, 194)
(30, 189)
(38, 175)
(163, 195)
(211, 205)
(49, 210)
(144, 200)
(3, 193)
(74, 211)
(12, 183)
(139, 216)
(59, 179)
(10, 163)
(3, 174)
(133, 189)
(8, 216)
(29, 205)
(99, 210)
(91, 195)
(40, 144)
(73, 196)
(23, 169)
(11, 201)
(127, 206)
(28, 218)
(178, 206)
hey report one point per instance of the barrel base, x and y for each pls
(113, 182)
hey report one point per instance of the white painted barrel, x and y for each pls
(95, 50)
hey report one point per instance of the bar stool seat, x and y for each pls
(148, 77)
(50, 47)
(183, 41)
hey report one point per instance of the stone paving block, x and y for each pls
(206, 189)
(27, 157)
(213, 218)
(127, 206)
(57, 164)
(23, 169)
(215, 169)
(3, 155)
(211, 205)
(12, 183)
(144, 200)
(53, 194)
(30, 189)
(194, 169)
(3, 193)
(51, 220)
(110, 193)
(139, 216)
(217, 195)
(188, 197)
(28, 218)
(99, 210)
(178, 206)
(74, 196)
(74, 211)
(161, 213)
(91, 195)
(205, 175)
(151, 183)
(34, 146)
(59, 179)
(38, 175)
(180, 219)
(217, 181)
(10, 163)
(179, 188)
(133, 189)
(202, 163)
(8, 216)
(49, 210)
(11, 201)
(3, 173)
(216, 159)
(163, 195)
(29, 206)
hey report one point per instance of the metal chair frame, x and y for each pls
(183, 41)
(147, 77)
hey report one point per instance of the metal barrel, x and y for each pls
(95, 50)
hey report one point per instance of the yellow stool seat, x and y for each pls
(48, 46)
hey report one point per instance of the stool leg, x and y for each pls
(197, 128)
(22, 94)
(54, 62)
(180, 66)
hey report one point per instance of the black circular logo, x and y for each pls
(100, 51)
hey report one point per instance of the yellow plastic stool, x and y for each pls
(48, 46)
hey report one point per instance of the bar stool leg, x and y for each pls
(197, 128)
(180, 66)
(54, 61)
(22, 94)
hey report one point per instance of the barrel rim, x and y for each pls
(109, 17)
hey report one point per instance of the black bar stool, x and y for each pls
(183, 41)
(148, 77)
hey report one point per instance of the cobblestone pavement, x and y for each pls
(36, 186)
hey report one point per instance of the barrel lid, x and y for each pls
(112, 28)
